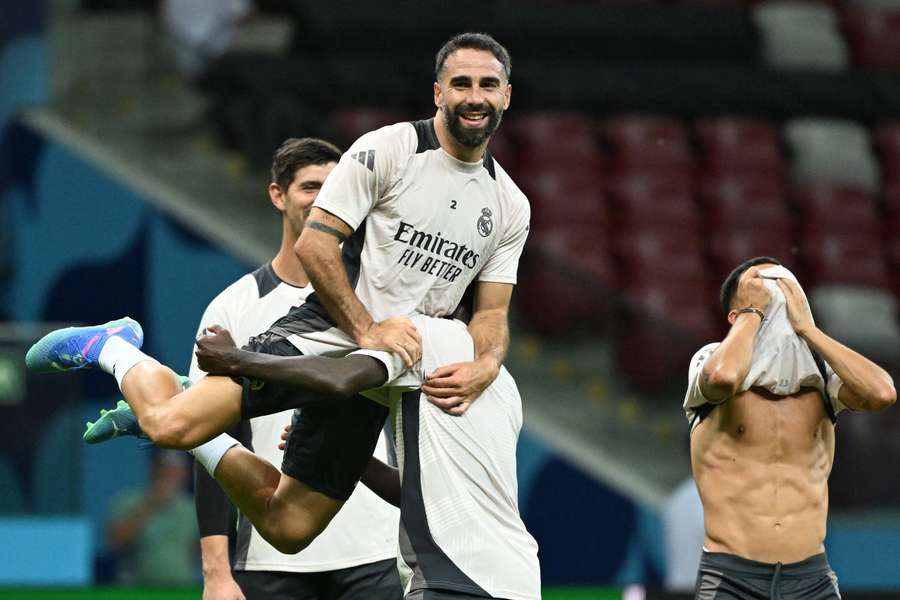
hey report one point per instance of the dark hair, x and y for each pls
(296, 153)
(726, 295)
(475, 41)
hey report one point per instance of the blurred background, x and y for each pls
(661, 142)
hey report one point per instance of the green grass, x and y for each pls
(194, 594)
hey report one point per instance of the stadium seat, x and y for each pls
(565, 281)
(744, 201)
(553, 139)
(654, 200)
(738, 145)
(800, 35)
(350, 123)
(670, 321)
(649, 254)
(832, 151)
(852, 259)
(874, 35)
(840, 310)
(565, 196)
(728, 249)
(887, 142)
(644, 142)
(836, 209)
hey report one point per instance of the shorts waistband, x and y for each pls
(730, 562)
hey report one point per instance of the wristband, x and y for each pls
(756, 311)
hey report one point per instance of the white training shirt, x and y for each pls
(426, 226)
(365, 529)
(460, 523)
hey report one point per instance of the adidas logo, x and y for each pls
(365, 158)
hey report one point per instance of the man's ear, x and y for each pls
(732, 316)
(438, 95)
(276, 195)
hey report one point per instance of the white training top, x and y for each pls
(782, 361)
(426, 226)
(365, 529)
(460, 524)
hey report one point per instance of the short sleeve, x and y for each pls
(503, 263)
(694, 397)
(215, 314)
(398, 374)
(833, 389)
(364, 173)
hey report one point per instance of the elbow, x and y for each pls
(722, 379)
(884, 398)
(287, 545)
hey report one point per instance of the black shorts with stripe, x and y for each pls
(330, 442)
(729, 577)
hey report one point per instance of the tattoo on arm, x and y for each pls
(326, 229)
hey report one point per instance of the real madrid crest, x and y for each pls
(485, 223)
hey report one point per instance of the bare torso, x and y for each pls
(761, 463)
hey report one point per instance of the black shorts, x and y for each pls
(729, 577)
(330, 442)
(378, 580)
(440, 595)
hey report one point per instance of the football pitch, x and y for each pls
(195, 594)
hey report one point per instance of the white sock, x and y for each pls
(210, 453)
(118, 356)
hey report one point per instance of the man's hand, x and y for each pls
(797, 308)
(396, 335)
(221, 587)
(452, 388)
(751, 291)
(215, 351)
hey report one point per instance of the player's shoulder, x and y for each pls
(702, 354)
(399, 138)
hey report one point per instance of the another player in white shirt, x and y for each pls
(356, 555)
(461, 534)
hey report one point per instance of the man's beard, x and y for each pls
(471, 137)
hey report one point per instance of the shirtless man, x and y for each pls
(762, 405)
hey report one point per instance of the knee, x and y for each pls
(168, 430)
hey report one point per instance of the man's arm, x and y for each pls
(727, 367)
(382, 479)
(326, 378)
(866, 386)
(454, 387)
(319, 250)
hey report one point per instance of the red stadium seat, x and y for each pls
(887, 141)
(728, 249)
(565, 281)
(641, 142)
(739, 145)
(854, 259)
(553, 139)
(739, 202)
(651, 199)
(874, 36)
(826, 208)
(504, 151)
(350, 123)
(565, 196)
(647, 254)
(672, 319)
